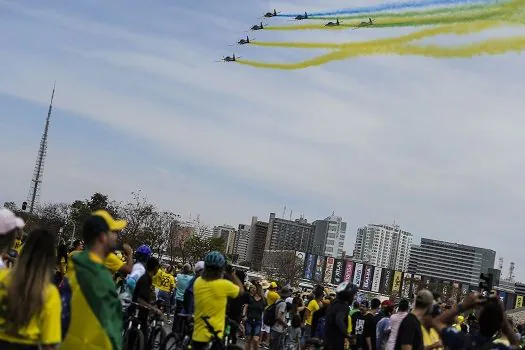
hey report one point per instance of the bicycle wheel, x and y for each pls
(157, 336)
(134, 339)
(171, 342)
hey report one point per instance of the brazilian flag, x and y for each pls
(95, 320)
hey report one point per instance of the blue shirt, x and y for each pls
(382, 332)
(182, 284)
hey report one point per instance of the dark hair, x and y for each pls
(93, 227)
(375, 303)
(436, 296)
(210, 274)
(76, 243)
(403, 305)
(318, 292)
(7, 240)
(296, 321)
(490, 318)
(355, 305)
(61, 253)
(152, 264)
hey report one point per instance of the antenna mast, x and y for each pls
(38, 173)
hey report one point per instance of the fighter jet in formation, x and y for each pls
(271, 14)
(244, 41)
(258, 26)
(301, 17)
(332, 24)
(365, 24)
(229, 59)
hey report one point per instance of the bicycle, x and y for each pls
(133, 335)
(157, 333)
(224, 343)
(181, 337)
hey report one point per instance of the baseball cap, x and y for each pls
(112, 224)
(424, 296)
(199, 266)
(387, 303)
(9, 221)
(273, 285)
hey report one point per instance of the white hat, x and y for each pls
(199, 266)
(9, 221)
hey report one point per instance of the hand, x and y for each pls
(472, 300)
(127, 249)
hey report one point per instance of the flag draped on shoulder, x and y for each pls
(96, 313)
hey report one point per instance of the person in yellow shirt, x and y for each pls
(272, 296)
(211, 293)
(165, 283)
(112, 261)
(30, 305)
(312, 307)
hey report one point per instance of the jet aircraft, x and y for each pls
(301, 17)
(332, 24)
(271, 14)
(229, 59)
(258, 26)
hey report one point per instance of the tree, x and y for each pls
(11, 206)
(283, 267)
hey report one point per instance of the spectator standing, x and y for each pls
(395, 322)
(410, 335)
(96, 311)
(30, 306)
(252, 316)
(278, 330)
(182, 281)
(10, 225)
(383, 325)
(311, 308)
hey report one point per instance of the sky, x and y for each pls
(430, 144)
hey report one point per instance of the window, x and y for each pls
(341, 244)
(330, 242)
(329, 250)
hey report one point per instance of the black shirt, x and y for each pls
(255, 309)
(410, 333)
(142, 291)
(336, 325)
(370, 331)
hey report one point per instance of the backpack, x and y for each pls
(270, 314)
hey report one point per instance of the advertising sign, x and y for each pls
(455, 291)
(309, 266)
(511, 301)
(446, 289)
(329, 270)
(386, 281)
(416, 284)
(405, 290)
(358, 274)
(339, 271)
(376, 282)
(368, 276)
(519, 301)
(349, 271)
(396, 284)
(319, 268)
(464, 289)
(502, 296)
(300, 256)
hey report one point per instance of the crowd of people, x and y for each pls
(77, 297)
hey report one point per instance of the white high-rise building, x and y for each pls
(227, 233)
(241, 243)
(383, 246)
(329, 236)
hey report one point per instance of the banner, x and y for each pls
(376, 282)
(309, 267)
(358, 274)
(455, 291)
(511, 301)
(300, 256)
(407, 284)
(319, 268)
(464, 289)
(368, 276)
(445, 292)
(329, 270)
(426, 280)
(339, 271)
(396, 284)
(385, 286)
(519, 301)
(502, 296)
(349, 271)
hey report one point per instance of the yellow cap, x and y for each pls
(113, 225)
(273, 285)
(461, 319)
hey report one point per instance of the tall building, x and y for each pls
(289, 235)
(256, 246)
(384, 246)
(242, 240)
(227, 233)
(451, 261)
(329, 237)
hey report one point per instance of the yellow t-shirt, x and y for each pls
(112, 262)
(18, 245)
(164, 281)
(271, 298)
(313, 306)
(210, 300)
(44, 328)
(430, 336)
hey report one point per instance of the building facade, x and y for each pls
(257, 244)
(451, 261)
(329, 237)
(240, 245)
(227, 233)
(289, 235)
(384, 246)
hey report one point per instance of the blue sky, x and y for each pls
(140, 104)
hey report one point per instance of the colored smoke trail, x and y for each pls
(488, 47)
(391, 6)
(458, 29)
(405, 21)
(401, 46)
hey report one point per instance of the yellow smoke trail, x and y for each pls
(457, 29)
(488, 47)
(400, 46)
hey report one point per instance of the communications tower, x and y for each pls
(33, 197)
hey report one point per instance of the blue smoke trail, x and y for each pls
(390, 7)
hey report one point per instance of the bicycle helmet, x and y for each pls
(346, 291)
(144, 250)
(214, 260)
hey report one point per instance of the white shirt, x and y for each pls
(289, 300)
(137, 271)
(395, 322)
